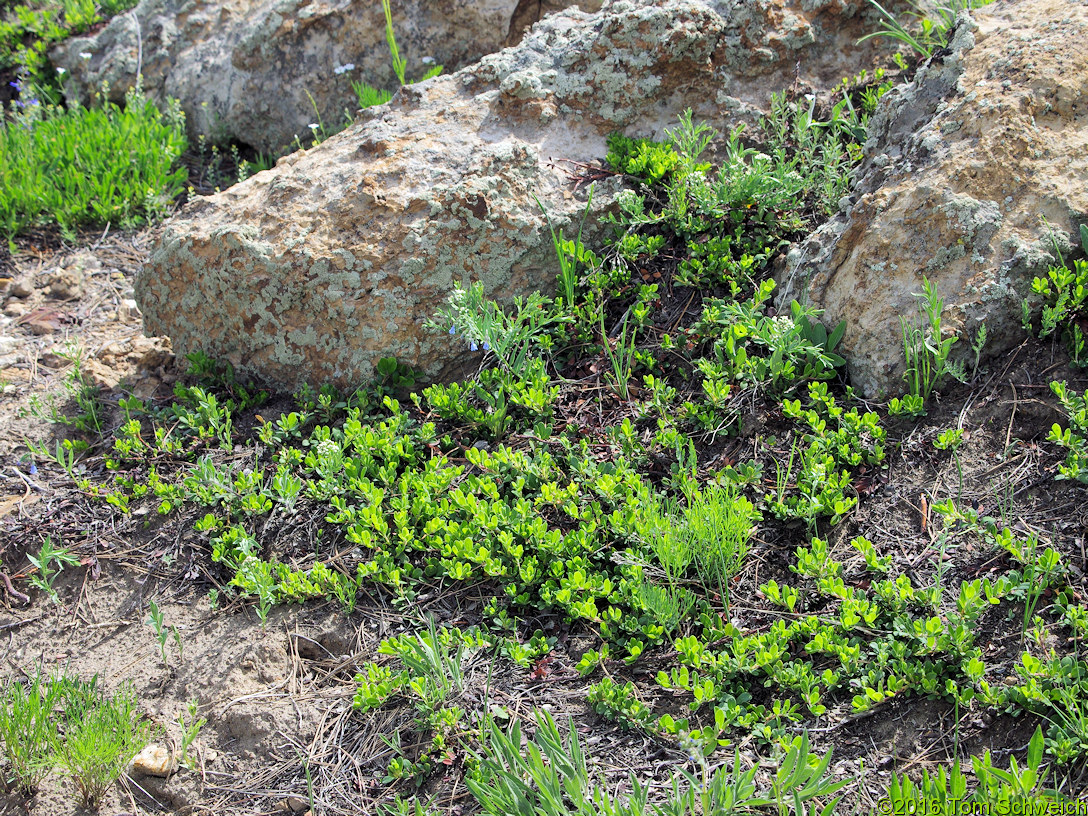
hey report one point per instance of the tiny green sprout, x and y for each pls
(949, 439)
(209, 522)
(49, 563)
(190, 729)
(977, 346)
(157, 624)
(908, 405)
(873, 560)
(162, 632)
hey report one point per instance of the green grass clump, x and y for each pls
(90, 166)
(101, 736)
(27, 730)
(935, 24)
(63, 720)
(711, 535)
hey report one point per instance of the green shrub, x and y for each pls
(1065, 292)
(90, 166)
(1074, 437)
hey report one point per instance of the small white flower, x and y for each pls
(61, 71)
(343, 69)
(427, 60)
(326, 448)
(85, 55)
(314, 126)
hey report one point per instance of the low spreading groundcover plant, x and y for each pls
(631, 529)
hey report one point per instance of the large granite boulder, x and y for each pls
(314, 270)
(261, 71)
(972, 172)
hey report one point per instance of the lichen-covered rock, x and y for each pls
(261, 71)
(962, 167)
(313, 271)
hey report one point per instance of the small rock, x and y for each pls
(66, 284)
(155, 760)
(53, 358)
(8, 351)
(104, 375)
(21, 288)
(128, 311)
(16, 308)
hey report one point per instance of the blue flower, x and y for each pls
(472, 346)
(453, 330)
(487, 346)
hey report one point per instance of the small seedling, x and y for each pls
(949, 439)
(190, 730)
(162, 633)
(622, 356)
(50, 562)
